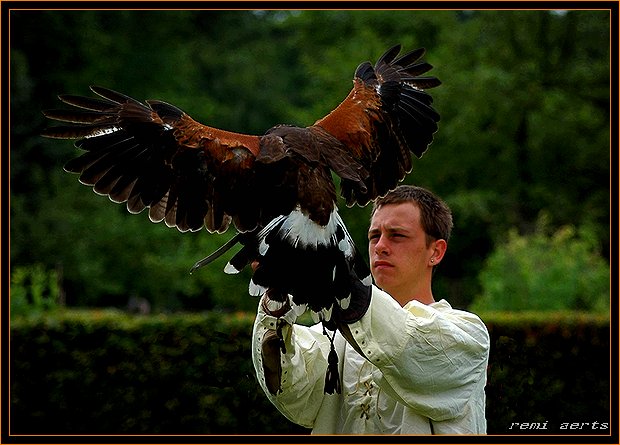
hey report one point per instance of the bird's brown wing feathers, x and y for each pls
(386, 117)
(155, 156)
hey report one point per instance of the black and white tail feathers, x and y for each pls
(312, 267)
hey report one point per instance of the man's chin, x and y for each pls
(382, 282)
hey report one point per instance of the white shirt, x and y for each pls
(426, 364)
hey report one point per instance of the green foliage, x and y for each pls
(33, 290)
(524, 128)
(107, 250)
(546, 271)
(106, 372)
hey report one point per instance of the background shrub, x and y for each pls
(105, 372)
(545, 270)
(34, 289)
(548, 367)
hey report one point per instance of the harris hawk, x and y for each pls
(277, 189)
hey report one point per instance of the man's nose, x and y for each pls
(381, 247)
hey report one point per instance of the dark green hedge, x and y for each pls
(551, 370)
(102, 372)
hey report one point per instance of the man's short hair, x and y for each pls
(435, 214)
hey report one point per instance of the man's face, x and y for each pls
(399, 256)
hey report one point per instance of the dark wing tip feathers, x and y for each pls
(405, 123)
(113, 96)
(403, 86)
(124, 151)
(132, 154)
(165, 110)
(410, 58)
(389, 55)
(408, 66)
(365, 71)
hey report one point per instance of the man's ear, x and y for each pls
(439, 250)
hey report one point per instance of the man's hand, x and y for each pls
(359, 301)
(273, 342)
(272, 368)
(275, 308)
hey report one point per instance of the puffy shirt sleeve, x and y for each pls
(429, 357)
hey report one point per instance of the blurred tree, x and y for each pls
(525, 111)
(545, 271)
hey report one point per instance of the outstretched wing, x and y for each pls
(386, 117)
(153, 155)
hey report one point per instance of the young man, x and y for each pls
(418, 366)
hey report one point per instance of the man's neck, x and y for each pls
(424, 298)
